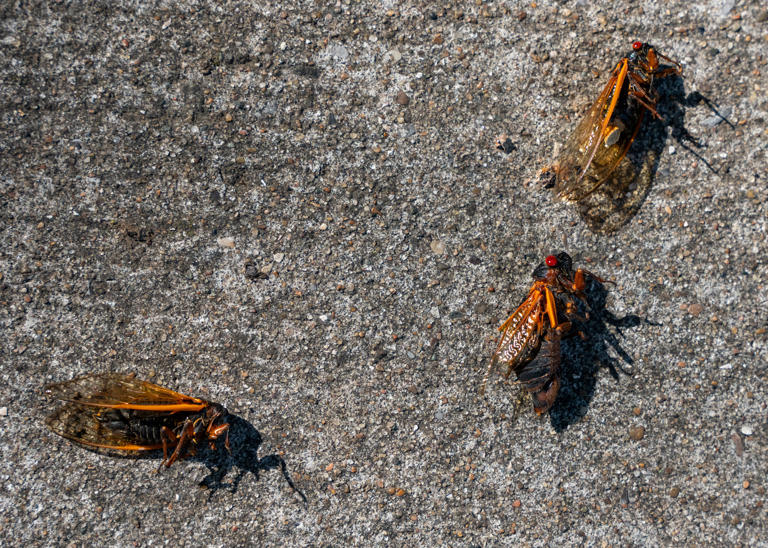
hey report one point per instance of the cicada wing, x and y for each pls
(521, 333)
(517, 335)
(616, 201)
(579, 150)
(606, 159)
(116, 390)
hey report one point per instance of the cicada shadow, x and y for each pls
(227, 471)
(583, 357)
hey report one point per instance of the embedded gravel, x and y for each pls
(297, 210)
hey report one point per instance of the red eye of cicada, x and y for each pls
(637, 45)
(551, 261)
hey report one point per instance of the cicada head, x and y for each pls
(215, 422)
(639, 50)
(644, 56)
(559, 263)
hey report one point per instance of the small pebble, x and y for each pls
(3, 411)
(278, 257)
(674, 492)
(636, 433)
(738, 444)
(695, 309)
(437, 247)
(226, 242)
(392, 56)
(402, 99)
(747, 430)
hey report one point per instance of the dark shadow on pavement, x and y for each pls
(582, 358)
(684, 138)
(244, 443)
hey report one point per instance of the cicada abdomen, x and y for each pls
(541, 376)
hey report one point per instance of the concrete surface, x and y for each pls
(296, 209)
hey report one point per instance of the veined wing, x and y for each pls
(521, 332)
(574, 176)
(118, 391)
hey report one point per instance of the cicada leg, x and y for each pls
(667, 71)
(167, 435)
(214, 432)
(187, 434)
(580, 279)
(651, 67)
(643, 97)
(570, 313)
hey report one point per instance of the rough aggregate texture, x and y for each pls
(296, 209)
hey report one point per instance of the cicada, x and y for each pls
(119, 412)
(530, 340)
(603, 137)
